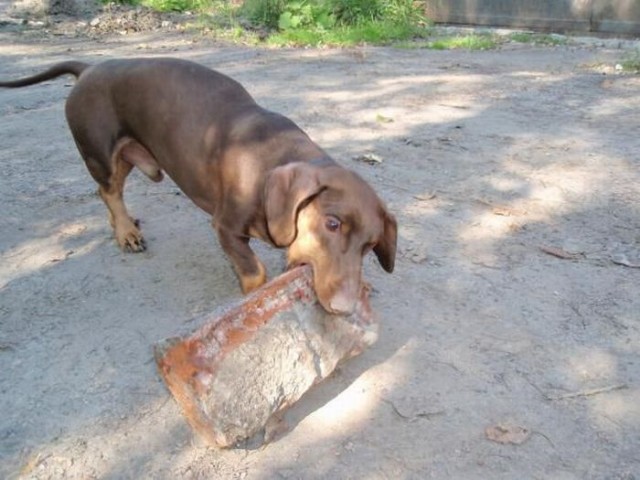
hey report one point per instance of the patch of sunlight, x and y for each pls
(592, 369)
(549, 192)
(611, 108)
(439, 80)
(591, 365)
(358, 403)
(611, 409)
(32, 255)
(429, 90)
(506, 184)
(526, 74)
(349, 409)
(422, 208)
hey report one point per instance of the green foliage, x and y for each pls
(305, 14)
(263, 12)
(353, 12)
(171, 5)
(631, 62)
(303, 22)
(468, 42)
(121, 2)
(295, 14)
(374, 32)
(407, 12)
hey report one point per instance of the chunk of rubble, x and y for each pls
(242, 367)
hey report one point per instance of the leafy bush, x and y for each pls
(353, 12)
(263, 12)
(408, 12)
(173, 5)
(376, 33)
(631, 62)
(305, 14)
(304, 22)
(294, 14)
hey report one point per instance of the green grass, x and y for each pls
(176, 5)
(484, 41)
(631, 62)
(336, 23)
(302, 22)
(537, 38)
(372, 32)
(480, 41)
(467, 42)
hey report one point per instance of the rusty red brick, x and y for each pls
(252, 361)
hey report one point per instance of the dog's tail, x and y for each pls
(64, 68)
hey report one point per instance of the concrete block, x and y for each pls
(244, 366)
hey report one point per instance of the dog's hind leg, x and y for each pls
(109, 157)
(126, 230)
(110, 171)
(126, 154)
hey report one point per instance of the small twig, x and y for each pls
(395, 409)
(501, 210)
(559, 253)
(446, 364)
(588, 393)
(427, 415)
(534, 432)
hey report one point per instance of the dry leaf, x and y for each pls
(382, 119)
(502, 210)
(370, 158)
(504, 434)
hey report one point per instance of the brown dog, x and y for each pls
(255, 171)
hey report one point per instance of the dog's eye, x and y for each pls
(332, 223)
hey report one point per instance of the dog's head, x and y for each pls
(329, 218)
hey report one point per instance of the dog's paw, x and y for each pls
(135, 246)
(131, 241)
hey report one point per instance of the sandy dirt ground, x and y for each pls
(515, 301)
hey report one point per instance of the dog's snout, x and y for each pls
(343, 303)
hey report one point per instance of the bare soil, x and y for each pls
(510, 339)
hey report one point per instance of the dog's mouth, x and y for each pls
(336, 304)
(293, 265)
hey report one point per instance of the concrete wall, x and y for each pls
(620, 17)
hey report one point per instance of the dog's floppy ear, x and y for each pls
(287, 188)
(385, 249)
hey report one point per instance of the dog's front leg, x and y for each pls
(248, 267)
